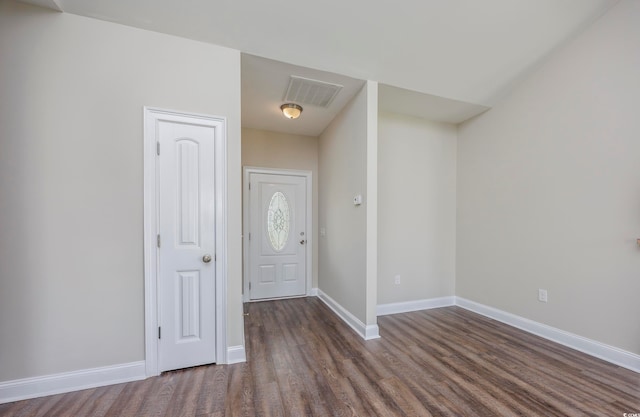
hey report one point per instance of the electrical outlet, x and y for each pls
(542, 295)
(396, 280)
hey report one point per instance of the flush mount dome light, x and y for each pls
(291, 110)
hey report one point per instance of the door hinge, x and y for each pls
(158, 148)
(159, 332)
(249, 185)
(249, 285)
(158, 240)
(249, 236)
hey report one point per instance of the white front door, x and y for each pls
(277, 236)
(186, 266)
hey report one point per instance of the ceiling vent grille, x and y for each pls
(311, 92)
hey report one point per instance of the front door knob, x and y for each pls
(206, 258)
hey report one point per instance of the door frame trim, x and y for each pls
(308, 175)
(151, 206)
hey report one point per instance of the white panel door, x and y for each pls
(186, 277)
(277, 236)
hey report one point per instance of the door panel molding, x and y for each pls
(152, 116)
(247, 171)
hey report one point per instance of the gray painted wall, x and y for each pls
(71, 181)
(417, 208)
(549, 190)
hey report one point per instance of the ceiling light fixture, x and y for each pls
(291, 110)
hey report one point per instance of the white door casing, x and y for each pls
(277, 257)
(184, 223)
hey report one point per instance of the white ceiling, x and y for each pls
(48, 4)
(466, 52)
(426, 106)
(264, 84)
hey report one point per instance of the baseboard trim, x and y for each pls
(591, 347)
(371, 332)
(23, 389)
(313, 292)
(366, 332)
(408, 306)
(236, 354)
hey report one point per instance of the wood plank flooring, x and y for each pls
(303, 361)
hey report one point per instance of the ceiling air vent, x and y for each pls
(311, 92)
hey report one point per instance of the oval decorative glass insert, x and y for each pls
(278, 219)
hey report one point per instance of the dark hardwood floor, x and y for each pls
(303, 361)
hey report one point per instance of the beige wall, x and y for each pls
(261, 148)
(343, 170)
(549, 190)
(417, 208)
(71, 181)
